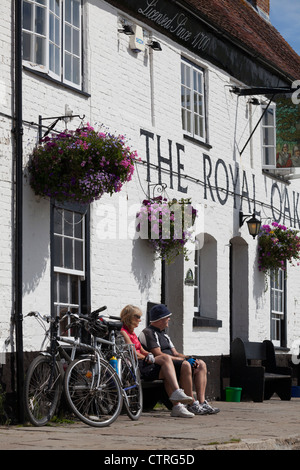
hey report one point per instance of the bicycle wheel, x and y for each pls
(131, 385)
(42, 389)
(93, 391)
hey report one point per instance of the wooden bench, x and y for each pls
(154, 392)
(261, 380)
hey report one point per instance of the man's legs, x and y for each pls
(200, 381)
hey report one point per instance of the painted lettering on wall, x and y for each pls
(220, 181)
(177, 25)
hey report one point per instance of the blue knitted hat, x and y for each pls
(158, 312)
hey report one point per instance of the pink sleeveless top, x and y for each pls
(133, 338)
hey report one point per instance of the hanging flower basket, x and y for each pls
(80, 165)
(276, 245)
(167, 225)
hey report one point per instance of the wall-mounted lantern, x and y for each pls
(253, 223)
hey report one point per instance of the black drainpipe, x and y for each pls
(18, 315)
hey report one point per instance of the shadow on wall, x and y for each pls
(260, 284)
(36, 239)
(143, 264)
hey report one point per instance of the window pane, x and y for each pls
(76, 13)
(188, 79)
(58, 259)
(78, 222)
(74, 290)
(68, 11)
(27, 16)
(76, 70)
(196, 107)
(269, 136)
(67, 70)
(40, 57)
(63, 288)
(182, 96)
(68, 223)
(68, 253)
(68, 38)
(76, 42)
(57, 7)
(200, 83)
(51, 28)
(27, 42)
(57, 222)
(78, 255)
(196, 125)
(57, 61)
(269, 153)
(201, 122)
(269, 118)
(188, 99)
(40, 21)
(51, 57)
(189, 121)
(57, 31)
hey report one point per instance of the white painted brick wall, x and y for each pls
(123, 271)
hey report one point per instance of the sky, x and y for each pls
(285, 16)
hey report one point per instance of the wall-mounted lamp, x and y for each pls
(126, 29)
(254, 101)
(253, 223)
(155, 45)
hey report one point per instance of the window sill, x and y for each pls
(57, 82)
(196, 141)
(206, 321)
(282, 349)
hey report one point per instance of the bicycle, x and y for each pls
(44, 379)
(127, 368)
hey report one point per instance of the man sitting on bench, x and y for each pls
(155, 339)
(153, 368)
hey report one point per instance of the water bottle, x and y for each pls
(114, 363)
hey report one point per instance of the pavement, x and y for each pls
(270, 425)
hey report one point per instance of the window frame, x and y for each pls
(264, 127)
(69, 295)
(278, 315)
(201, 72)
(44, 67)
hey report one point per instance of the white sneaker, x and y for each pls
(180, 411)
(179, 395)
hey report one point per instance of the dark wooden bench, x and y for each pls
(154, 392)
(253, 368)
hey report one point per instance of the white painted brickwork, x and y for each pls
(130, 92)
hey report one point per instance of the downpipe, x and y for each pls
(18, 130)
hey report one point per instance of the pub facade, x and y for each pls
(193, 88)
